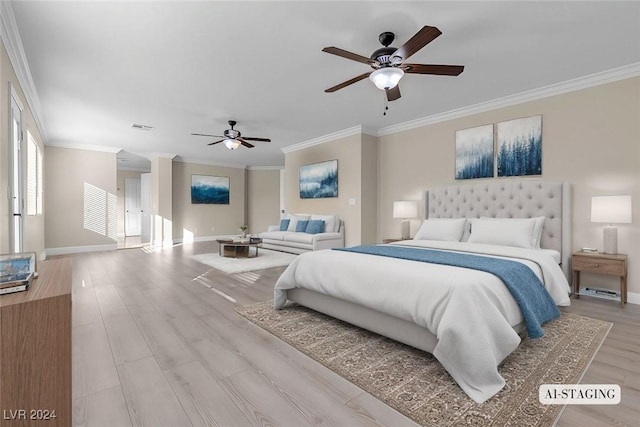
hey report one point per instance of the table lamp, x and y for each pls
(405, 209)
(611, 210)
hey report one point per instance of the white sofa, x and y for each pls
(298, 241)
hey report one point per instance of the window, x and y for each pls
(34, 177)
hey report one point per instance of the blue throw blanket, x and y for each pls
(534, 301)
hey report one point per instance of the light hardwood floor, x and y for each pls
(156, 342)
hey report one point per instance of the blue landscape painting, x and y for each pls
(209, 189)
(520, 147)
(474, 152)
(319, 180)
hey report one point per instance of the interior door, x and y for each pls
(16, 227)
(145, 196)
(132, 208)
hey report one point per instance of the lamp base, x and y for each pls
(611, 240)
(405, 230)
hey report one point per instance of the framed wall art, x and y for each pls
(319, 180)
(474, 152)
(207, 189)
(520, 147)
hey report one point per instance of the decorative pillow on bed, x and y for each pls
(284, 224)
(516, 232)
(301, 226)
(449, 229)
(537, 229)
(315, 226)
(293, 220)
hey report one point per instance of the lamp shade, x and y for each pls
(405, 209)
(611, 209)
(386, 78)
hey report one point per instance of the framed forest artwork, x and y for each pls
(319, 180)
(206, 189)
(474, 152)
(520, 147)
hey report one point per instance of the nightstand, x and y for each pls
(596, 262)
(391, 240)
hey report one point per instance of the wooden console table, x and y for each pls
(35, 350)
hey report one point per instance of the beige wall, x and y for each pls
(66, 176)
(34, 226)
(357, 157)
(263, 207)
(207, 220)
(369, 195)
(591, 138)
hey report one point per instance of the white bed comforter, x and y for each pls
(471, 312)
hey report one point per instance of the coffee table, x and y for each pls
(229, 248)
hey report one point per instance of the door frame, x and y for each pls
(16, 173)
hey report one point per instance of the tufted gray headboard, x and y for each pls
(510, 199)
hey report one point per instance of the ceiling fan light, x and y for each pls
(231, 144)
(386, 78)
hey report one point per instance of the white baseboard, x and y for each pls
(78, 249)
(633, 298)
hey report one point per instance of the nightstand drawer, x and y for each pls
(598, 265)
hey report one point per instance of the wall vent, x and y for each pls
(141, 127)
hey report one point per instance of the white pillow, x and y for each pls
(516, 232)
(537, 231)
(331, 222)
(537, 228)
(449, 229)
(293, 220)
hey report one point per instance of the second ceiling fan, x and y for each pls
(389, 64)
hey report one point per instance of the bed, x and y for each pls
(466, 318)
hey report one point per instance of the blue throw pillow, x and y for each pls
(301, 226)
(284, 224)
(315, 226)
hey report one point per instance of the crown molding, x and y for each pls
(585, 82)
(154, 156)
(199, 161)
(132, 169)
(13, 43)
(328, 138)
(89, 147)
(265, 168)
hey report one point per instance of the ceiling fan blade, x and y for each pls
(348, 82)
(393, 93)
(246, 144)
(441, 70)
(349, 55)
(205, 134)
(216, 142)
(251, 138)
(420, 39)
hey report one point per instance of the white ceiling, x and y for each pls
(183, 67)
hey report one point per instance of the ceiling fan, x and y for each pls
(389, 64)
(233, 138)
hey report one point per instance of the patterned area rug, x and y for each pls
(414, 383)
